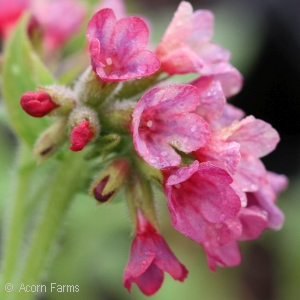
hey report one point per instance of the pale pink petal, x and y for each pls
(211, 53)
(278, 182)
(181, 61)
(266, 198)
(250, 173)
(203, 27)
(212, 99)
(179, 29)
(255, 136)
(229, 77)
(229, 115)
(221, 154)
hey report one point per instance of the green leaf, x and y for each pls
(23, 71)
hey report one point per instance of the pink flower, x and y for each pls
(266, 196)
(150, 256)
(10, 12)
(221, 245)
(197, 196)
(186, 47)
(237, 149)
(58, 20)
(117, 48)
(37, 104)
(163, 118)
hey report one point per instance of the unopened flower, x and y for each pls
(117, 48)
(199, 194)
(84, 127)
(80, 136)
(150, 257)
(37, 104)
(163, 118)
(108, 183)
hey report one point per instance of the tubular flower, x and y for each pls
(163, 118)
(150, 257)
(199, 194)
(117, 48)
(186, 47)
(237, 149)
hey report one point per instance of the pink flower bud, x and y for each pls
(80, 136)
(37, 104)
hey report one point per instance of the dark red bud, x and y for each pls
(37, 104)
(99, 189)
(80, 136)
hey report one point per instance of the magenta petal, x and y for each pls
(151, 280)
(195, 200)
(101, 26)
(254, 221)
(130, 36)
(211, 96)
(221, 154)
(228, 255)
(230, 114)
(166, 260)
(117, 48)
(163, 117)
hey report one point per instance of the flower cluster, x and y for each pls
(183, 138)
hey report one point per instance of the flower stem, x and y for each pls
(62, 190)
(14, 227)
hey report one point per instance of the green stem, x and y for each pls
(14, 228)
(67, 181)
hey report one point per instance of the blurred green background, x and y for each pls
(93, 247)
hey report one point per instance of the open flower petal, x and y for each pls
(163, 118)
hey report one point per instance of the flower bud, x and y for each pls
(62, 96)
(106, 186)
(51, 139)
(37, 104)
(84, 127)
